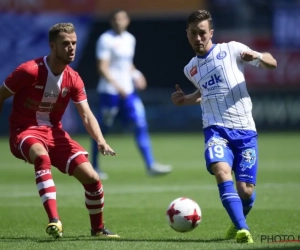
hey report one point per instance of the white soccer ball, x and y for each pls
(183, 215)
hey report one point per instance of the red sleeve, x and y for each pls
(19, 79)
(78, 93)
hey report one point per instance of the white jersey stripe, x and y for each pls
(238, 85)
(232, 92)
(8, 88)
(50, 96)
(81, 101)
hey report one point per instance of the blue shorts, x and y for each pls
(236, 147)
(130, 109)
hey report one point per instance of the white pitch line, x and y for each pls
(8, 192)
(196, 164)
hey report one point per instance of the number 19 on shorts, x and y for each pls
(216, 151)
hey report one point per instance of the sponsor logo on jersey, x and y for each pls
(221, 55)
(193, 71)
(214, 79)
(38, 87)
(50, 95)
(83, 90)
(249, 158)
(64, 92)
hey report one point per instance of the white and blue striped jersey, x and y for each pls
(119, 49)
(220, 77)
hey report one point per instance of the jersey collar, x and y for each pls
(207, 53)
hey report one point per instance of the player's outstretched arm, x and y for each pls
(91, 125)
(266, 60)
(180, 99)
(4, 94)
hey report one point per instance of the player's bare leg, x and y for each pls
(38, 155)
(247, 193)
(94, 198)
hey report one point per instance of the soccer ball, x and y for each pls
(183, 215)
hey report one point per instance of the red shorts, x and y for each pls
(61, 148)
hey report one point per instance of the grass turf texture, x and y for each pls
(135, 204)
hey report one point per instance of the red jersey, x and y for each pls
(40, 98)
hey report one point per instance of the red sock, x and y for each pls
(94, 202)
(45, 185)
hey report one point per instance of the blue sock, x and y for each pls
(233, 204)
(95, 151)
(95, 154)
(143, 142)
(248, 204)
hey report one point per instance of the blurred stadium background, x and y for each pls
(162, 51)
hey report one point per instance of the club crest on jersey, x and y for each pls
(193, 71)
(249, 158)
(221, 55)
(64, 92)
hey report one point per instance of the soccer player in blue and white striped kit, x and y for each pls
(217, 71)
(117, 86)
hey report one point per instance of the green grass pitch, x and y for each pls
(135, 204)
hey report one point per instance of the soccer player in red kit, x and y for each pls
(41, 90)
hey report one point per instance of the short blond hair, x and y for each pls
(60, 27)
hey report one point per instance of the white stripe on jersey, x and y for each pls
(50, 96)
(220, 77)
(8, 88)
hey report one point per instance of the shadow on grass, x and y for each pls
(89, 238)
(276, 248)
(255, 246)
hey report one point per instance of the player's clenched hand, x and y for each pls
(105, 149)
(178, 96)
(249, 56)
(122, 93)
